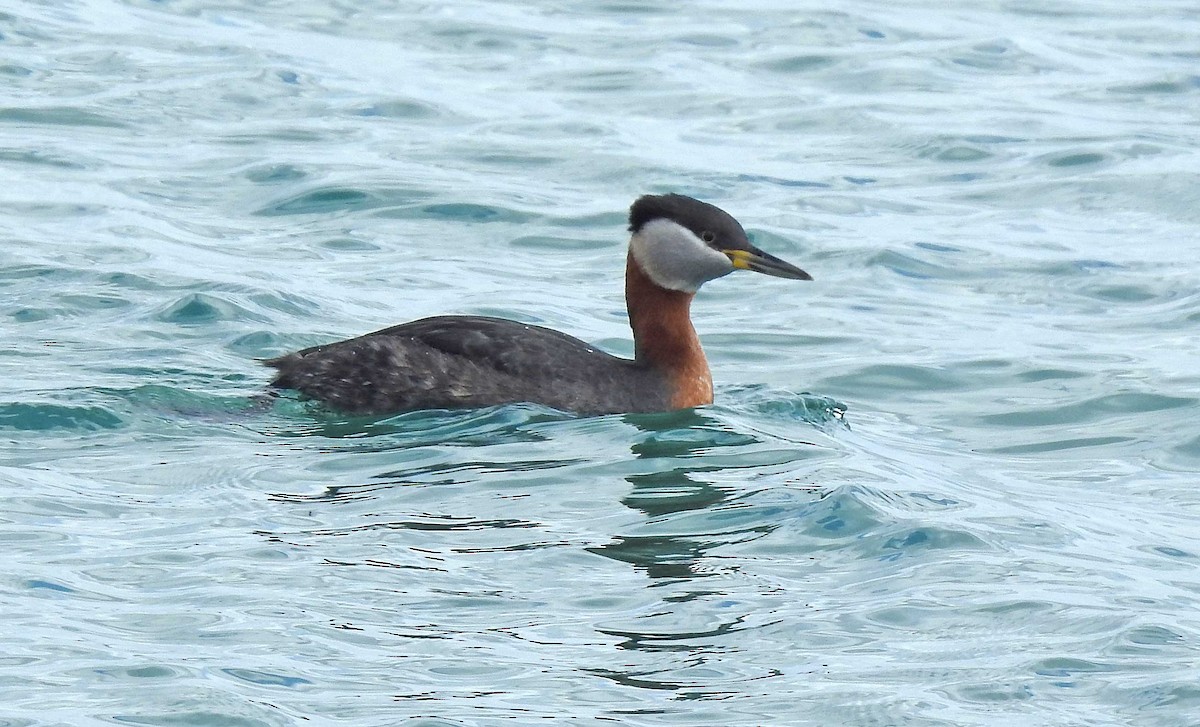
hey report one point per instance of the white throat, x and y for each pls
(674, 258)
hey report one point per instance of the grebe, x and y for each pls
(456, 362)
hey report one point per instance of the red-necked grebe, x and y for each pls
(457, 362)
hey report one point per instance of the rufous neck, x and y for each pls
(664, 338)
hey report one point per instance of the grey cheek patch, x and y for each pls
(675, 258)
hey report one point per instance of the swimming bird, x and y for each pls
(677, 244)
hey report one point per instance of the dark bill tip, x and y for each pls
(766, 263)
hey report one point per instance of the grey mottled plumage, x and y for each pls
(458, 362)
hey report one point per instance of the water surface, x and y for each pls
(952, 481)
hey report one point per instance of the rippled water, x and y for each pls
(951, 482)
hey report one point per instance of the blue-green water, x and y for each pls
(953, 481)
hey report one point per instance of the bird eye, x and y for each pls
(708, 236)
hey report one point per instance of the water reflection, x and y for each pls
(693, 487)
(677, 441)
